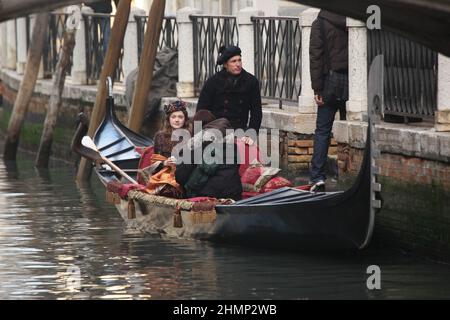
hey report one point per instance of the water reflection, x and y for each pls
(49, 225)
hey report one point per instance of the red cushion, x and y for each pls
(251, 175)
(146, 161)
(256, 176)
(276, 183)
(146, 156)
(247, 155)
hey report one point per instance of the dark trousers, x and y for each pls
(322, 137)
(101, 35)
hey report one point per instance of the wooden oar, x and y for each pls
(88, 143)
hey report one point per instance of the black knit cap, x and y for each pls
(226, 53)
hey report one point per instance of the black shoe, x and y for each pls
(318, 186)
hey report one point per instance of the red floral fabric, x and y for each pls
(247, 155)
(276, 183)
(146, 161)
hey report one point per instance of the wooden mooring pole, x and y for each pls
(26, 86)
(59, 78)
(146, 65)
(109, 66)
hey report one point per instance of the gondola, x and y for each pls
(286, 217)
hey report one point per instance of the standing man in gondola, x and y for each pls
(233, 93)
(329, 78)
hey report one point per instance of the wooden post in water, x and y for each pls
(109, 66)
(59, 78)
(26, 86)
(146, 65)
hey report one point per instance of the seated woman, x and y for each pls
(162, 181)
(176, 118)
(216, 180)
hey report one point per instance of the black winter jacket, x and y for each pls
(101, 6)
(336, 35)
(233, 98)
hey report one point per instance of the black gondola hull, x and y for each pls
(287, 218)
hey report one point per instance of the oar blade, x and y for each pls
(88, 143)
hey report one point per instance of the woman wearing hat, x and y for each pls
(176, 118)
(233, 93)
(159, 177)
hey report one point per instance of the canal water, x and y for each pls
(60, 240)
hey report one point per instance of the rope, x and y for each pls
(152, 199)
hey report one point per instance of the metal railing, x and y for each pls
(55, 35)
(97, 35)
(278, 57)
(54, 42)
(169, 33)
(411, 70)
(29, 31)
(210, 33)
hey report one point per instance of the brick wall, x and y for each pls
(32, 128)
(415, 170)
(299, 151)
(416, 208)
(399, 167)
(38, 103)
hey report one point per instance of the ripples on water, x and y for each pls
(49, 226)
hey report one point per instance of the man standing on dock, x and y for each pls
(329, 78)
(102, 23)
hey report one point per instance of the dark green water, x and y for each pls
(49, 226)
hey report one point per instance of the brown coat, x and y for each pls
(336, 35)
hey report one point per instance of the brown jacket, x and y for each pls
(336, 35)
